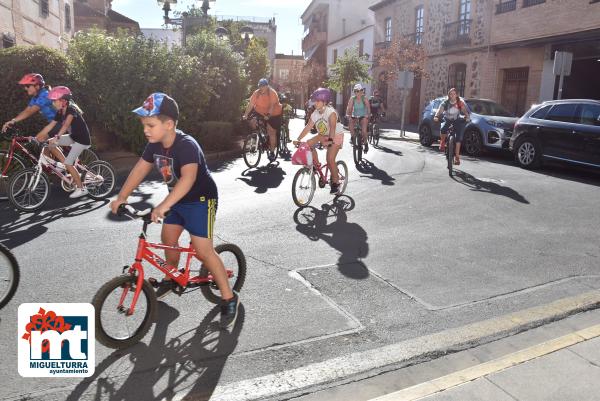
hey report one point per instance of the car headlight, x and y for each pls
(494, 123)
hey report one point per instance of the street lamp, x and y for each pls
(247, 33)
(222, 33)
(185, 21)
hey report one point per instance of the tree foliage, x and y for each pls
(402, 54)
(348, 69)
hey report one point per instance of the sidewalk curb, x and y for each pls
(361, 365)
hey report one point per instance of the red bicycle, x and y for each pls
(305, 181)
(126, 305)
(11, 160)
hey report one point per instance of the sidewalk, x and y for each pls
(392, 131)
(557, 361)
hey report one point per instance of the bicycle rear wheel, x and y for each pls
(25, 193)
(303, 187)
(115, 326)
(99, 179)
(343, 173)
(235, 264)
(252, 150)
(16, 164)
(9, 275)
(450, 150)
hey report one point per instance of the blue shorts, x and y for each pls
(197, 218)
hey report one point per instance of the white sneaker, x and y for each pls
(78, 193)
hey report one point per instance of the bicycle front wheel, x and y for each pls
(87, 157)
(376, 132)
(235, 264)
(116, 326)
(357, 148)
(282, 143)
(303, 187)
(29, 190)
(7, 169)
(99, 179)
(343, 174)
(450, 150)
(9, 275)
(252, 150)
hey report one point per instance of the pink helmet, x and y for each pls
(60, 92)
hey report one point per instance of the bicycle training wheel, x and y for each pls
(235, 264)
(115, 327)
(303, 187)
(252, 150)
(29, 190)
(99, 179)
(7, 170)
(9, 275)
(343, 173)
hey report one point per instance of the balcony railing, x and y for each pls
(529, 3)
(313, 38)
(457, 33)
(416, 38)
(506, 6)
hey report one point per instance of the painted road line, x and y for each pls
(365, 364)
(451, 380)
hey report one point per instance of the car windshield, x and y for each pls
(486, 108)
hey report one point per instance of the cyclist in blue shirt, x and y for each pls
(36, 88)
(192, 198)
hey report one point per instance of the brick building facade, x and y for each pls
(36, 22)
(497, 49)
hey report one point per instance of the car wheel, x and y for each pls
(473, 144)
(425, 135)
(528, 153)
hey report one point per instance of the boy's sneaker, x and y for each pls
(164, 288)
(78, 193)
(335, 188)
(229, 311)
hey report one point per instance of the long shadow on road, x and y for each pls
(188, 366)
(368, 169)
(350, 239)
(492, 187)
(263, 178)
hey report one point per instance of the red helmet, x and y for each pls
(60, 92)
(32, 79)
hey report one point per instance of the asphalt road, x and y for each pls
(406, 253)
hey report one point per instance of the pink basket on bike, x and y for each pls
(303, 156)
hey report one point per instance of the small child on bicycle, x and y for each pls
(69, 118)
(192, 198)
(329, 133)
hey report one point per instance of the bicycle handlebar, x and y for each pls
(127, 210)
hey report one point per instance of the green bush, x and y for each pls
(215, 136)
(20, 60)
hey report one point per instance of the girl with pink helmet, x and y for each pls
(329, 132)
(73, 132)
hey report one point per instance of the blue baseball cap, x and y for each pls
(158, 103)
(263, 82)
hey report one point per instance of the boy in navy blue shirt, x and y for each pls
(192, 199)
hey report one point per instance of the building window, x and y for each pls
(44, 8)
(529, 3)
(388, 29)
(505, 6)
(419, 28)
(284, 74)
(456, 77)
(464, 17)
(8, 40)
(334, 55)
(361, 47)
(67, 18)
